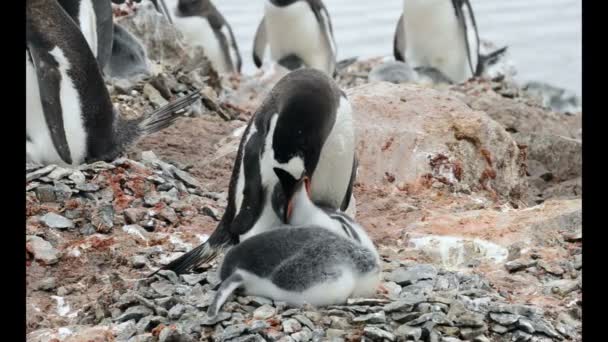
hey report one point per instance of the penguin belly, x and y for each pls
(434, 38)
(294, 30)
(198, 32)
(331, 178)
(40, 147)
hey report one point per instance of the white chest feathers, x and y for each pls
(294, 29)
(434, 37)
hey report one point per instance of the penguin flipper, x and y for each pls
(228, 286)
(349, 189)
(466, 19)
(235, 55)
(328, 35)
(399, 41)
(49, 84)
(105, 31)
(259, 43)
(166, 115)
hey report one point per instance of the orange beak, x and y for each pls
(306, 181)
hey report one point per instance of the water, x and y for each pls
(544, 36)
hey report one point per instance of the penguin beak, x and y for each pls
(304, 182)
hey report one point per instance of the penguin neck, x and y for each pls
(305, 212)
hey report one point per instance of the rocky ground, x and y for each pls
(471, 192)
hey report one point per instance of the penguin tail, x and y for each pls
(166, 115)
(487, 60)
(204, 253)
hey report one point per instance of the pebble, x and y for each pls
(405, 331)
(176, 312)
(373, 318)
(135, 312)
(339, 323)
(47, 284)
(87, 187)
(413, 274)
(174, 334)
(470, 333)
(125, 330)
(147, 337)
(138, 261)
(264, 312)
(302, 336)
(233, 331)
(148, 323)
(304, 320)
(525, 325)
(46, 193)
(154, 96)
(520, 336)
(186, 178)
(163, 288)
(222, 316)
(56, 221)
(333, 333)
(291, 325)
(39, 173)
(504, 318)
(42, 250)
(193, 279)
(378, 334)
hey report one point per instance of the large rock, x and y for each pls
(74, 333)
(407, 132)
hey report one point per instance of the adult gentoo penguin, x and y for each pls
(301, 28)
(69, 115)
(323, 257)
(441, 34)
(202, 24)
(94, 18)
(304, 126)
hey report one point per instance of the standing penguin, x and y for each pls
(94, 18)
(301, 28)
(304, 126)
(202, 24)
(441, 34)
(323, 257)
(69, 115)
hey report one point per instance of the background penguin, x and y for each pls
(128, 57)
(303, 126)
(202, 24)
(94, 18)
(299, 27)
(69, 116)
(441, 34)
(307, 263)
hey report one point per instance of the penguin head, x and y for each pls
(296, 191)
(282, 3)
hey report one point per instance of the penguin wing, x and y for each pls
(233, 48)
(105, 31)
(399, 41)
(259, 43)
(349, 189)
(328, 32)
(49, 85)
(466, 19)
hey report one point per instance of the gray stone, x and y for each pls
(154, 96)
(518, 309)
(520, 336)
(170, 275)
(174, 334)
(193, 279)
(450, 339)
(233, 331)
(42, 250)
(518, 265)
(413, 274)
(77, 177)
(135, 230)
(373, 318)
(257, 326)
(504, 318)
(366, 301)
(135, 313)
(435, 317)
(470, 333)
(339, 323)
(408, 332)
(525, 324)
(45, 193)
(186, 178)
(404, 317)
(264, 312)
(176, 312)
(222, 316)
(57, 221)
(578, 261)
(501, 329)
(291, 325)
(163, 288)
(167, 302)
(39, 173)
(147, 337)
(545, 328)
(378, 334)
(393, 289)
(87, 187)
(138, 261)
(125, 330)
(103, 218)
(249, 338)
(47, 284)
(302, 336)
(152, 199)
(333, 333)
(304, 320)
(59, 173)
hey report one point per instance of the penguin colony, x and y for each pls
(284, 231)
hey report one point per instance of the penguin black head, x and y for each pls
(291, 186)
(282, 3)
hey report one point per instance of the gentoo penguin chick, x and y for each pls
(297, 27)
(441, 34)
(303, 126)
(202, 24)
(69, 115)
(128, 57)
(303, 263)
(94, 18)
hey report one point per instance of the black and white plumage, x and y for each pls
(94, 18)
(323, 257)
(441, 34)
(202, 24)
(301, 28)
(70, 118)
(304, 126)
